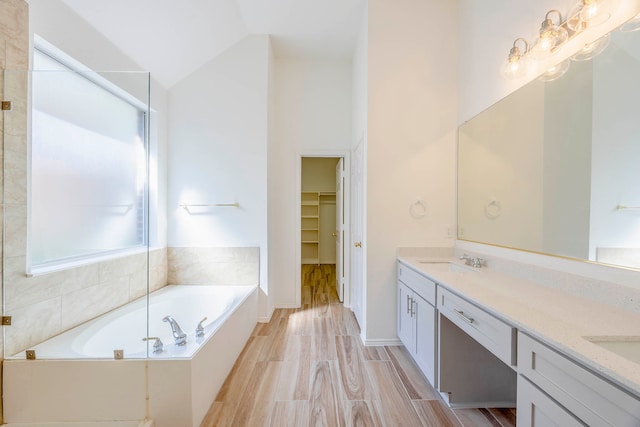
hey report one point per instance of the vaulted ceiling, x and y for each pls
(173, 38)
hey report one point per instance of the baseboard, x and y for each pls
(288, 305)
(266, 319)
(381, 342)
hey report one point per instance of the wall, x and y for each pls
(411, 134)
(218, 151)
(313, 114)
(319, 174)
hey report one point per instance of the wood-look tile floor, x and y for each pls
(308, 367)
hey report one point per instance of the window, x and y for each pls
(88, 164)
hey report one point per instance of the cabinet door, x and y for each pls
(536, 409)
(405, 319)
(425, 337)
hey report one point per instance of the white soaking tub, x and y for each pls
(75, 377)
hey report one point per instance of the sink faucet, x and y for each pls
(473, 261)
(178, 333)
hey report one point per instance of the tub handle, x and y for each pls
(200, 329)
(158, 347)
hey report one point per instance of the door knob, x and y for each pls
(334, 234)
(358, 244)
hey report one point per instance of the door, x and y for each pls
(405, 319)
(425, 337)
(357, 220)
(340, 229)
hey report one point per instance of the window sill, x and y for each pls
(90, 259)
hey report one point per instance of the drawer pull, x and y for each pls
(413, 304)
(464, 316)
(408, 304)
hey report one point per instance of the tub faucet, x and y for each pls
(200, 329)
(158, 347)
(178, 334)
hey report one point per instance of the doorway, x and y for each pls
(322, 230)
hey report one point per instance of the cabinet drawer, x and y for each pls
(418, 283)
(593, 400)
(536, 409)
(495, 335)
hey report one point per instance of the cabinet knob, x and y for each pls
(334, 234)
(358, 244)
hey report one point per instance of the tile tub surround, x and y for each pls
(213, 265)
(45, 305)
(549, 314)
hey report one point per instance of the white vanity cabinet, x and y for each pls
(557, 380)
(476, 355)
(417, 319)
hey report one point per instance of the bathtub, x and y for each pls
(75, 373)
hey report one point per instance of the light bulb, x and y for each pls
(589, 13)
(517, 64)
(552, 36)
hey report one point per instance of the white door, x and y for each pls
(357, 220)
(340, 229)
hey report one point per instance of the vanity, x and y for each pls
(485, 338)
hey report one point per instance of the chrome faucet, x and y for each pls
(178, 333)
(158, 347)
(200, 329)
(473, 261)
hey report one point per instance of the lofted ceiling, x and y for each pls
(171, 39)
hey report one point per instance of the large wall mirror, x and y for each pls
(554, 167)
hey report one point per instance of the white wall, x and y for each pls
(218, 154)
(313, 114)
(410, 142)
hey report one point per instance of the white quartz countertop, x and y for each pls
(555, 317)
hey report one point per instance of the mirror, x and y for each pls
(554, 168)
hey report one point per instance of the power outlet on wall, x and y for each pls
(449, 232)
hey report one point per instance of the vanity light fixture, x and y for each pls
(552, 36)
(517, 64)
(588, 13)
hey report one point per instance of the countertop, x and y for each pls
(555, 317)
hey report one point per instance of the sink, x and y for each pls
(624, 346)
(448, 266)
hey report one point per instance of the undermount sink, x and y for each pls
(448, 266)
(624, 346)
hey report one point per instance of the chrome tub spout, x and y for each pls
(178, 333)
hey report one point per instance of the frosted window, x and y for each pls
(88, 167)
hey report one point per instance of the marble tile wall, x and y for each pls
(45, 305)
(213, 266)
(14, 55)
